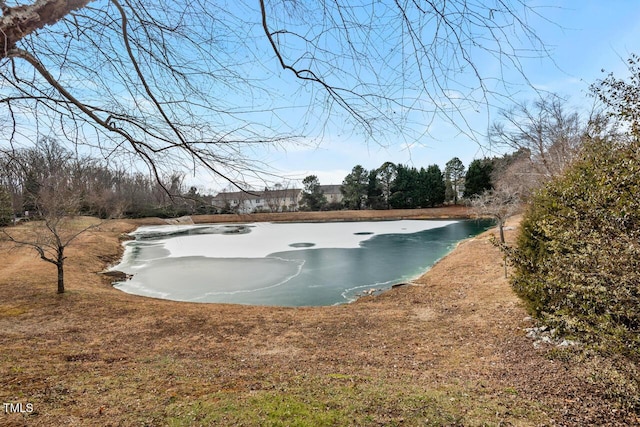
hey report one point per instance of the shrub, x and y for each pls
(6, 208)
(577, 261)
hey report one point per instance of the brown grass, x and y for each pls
(449, 350)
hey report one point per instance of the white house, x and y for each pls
(282, 200)
(277, 200)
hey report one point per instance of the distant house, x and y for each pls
(280, 200)
(276, 200)
(236, 201)
(332, 193)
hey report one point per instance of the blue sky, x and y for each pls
(584, 37)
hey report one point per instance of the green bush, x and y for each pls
(6, 208)
(577, 260)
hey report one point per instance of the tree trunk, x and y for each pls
(60, 265)
(60, 278)
(501, 228)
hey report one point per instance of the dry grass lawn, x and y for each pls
(448, 350)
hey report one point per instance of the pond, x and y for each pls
(285, 264)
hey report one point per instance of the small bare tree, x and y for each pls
(499, 204)
(54, 188)
(58, 226)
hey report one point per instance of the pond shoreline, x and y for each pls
(444, 212)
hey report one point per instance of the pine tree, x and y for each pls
(454, 175)
(434, 187)
(354, 188)
(312, 196)
(478, 178)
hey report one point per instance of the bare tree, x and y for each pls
(57, 227)
(98, 188)
(550, 132)
(55, 188)
(514, 180)
(517, 173)
(190, 84)
(6, 207)
(10, 179)
(277, 197)
(499, 204)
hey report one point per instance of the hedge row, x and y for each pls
(577, 261)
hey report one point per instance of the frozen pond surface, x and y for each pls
(293, 264)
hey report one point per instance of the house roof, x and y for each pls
(331, 189)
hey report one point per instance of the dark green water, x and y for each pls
(333, 276)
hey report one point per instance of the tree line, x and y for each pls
(89, 186)
(399, 186)
(96, 188)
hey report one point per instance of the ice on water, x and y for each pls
(267, 238)
(281, 263)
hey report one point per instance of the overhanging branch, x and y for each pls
(20, 21)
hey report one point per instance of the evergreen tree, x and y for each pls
(478, 177)
(312, 196)
(433, 187)
(454, 175)
(421, 189)
(386, 175)
(403, 189)
(375, 199)
(6, 207)
(622, 96)
(576, 262)
(354, 188)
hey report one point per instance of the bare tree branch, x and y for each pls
(194, 85)
(20, 21)
(549, 131)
